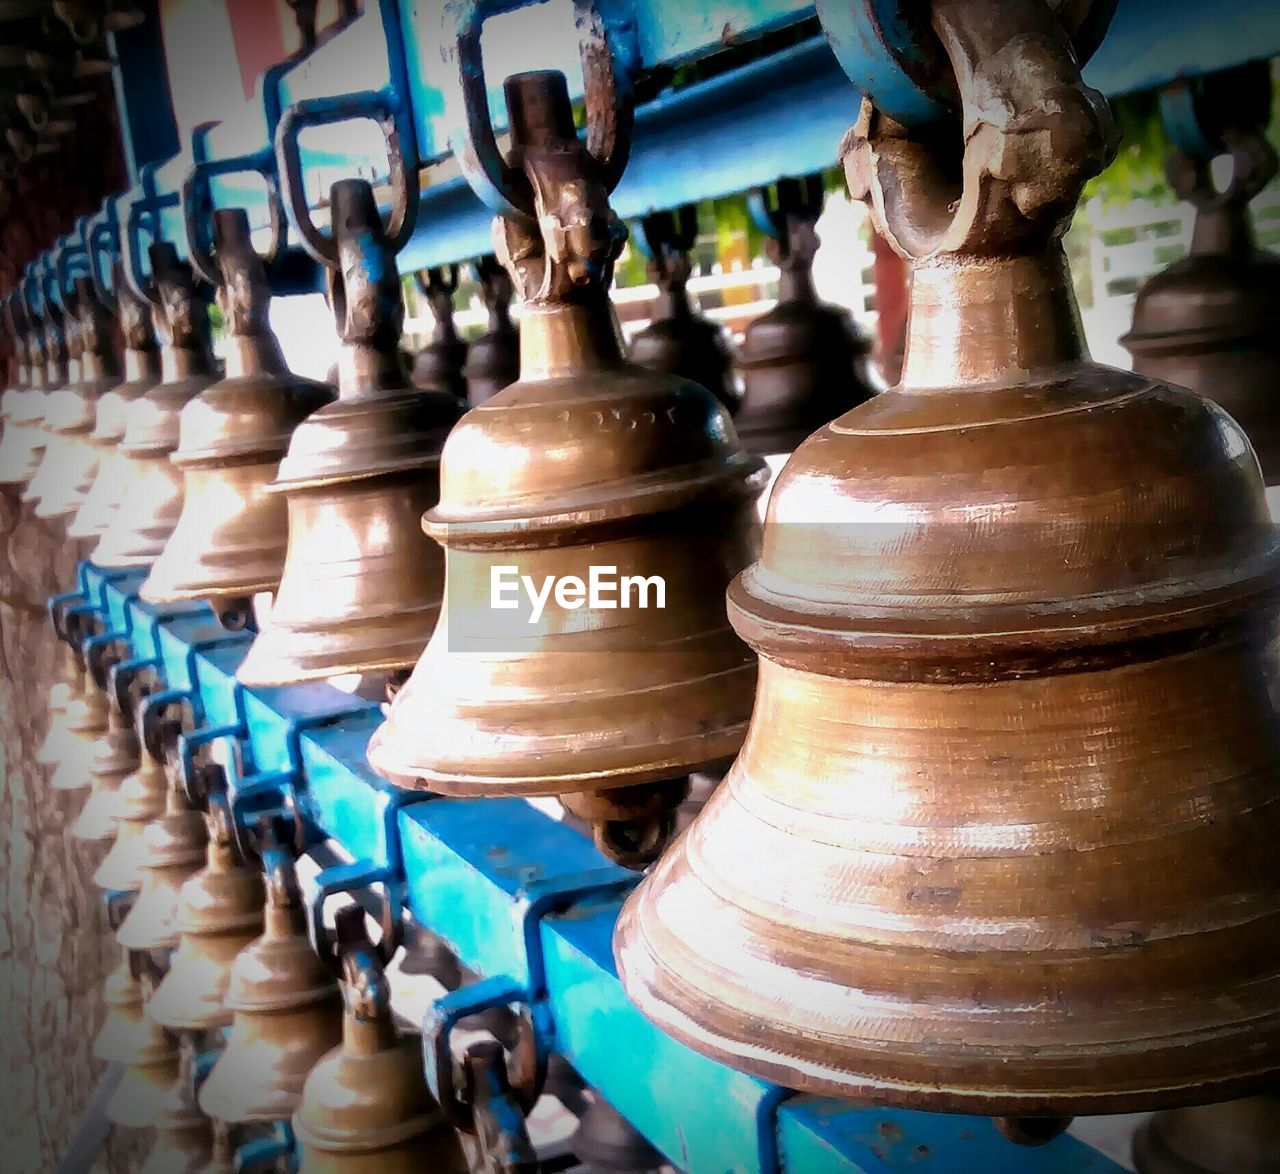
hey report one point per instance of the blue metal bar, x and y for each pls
(148, 129)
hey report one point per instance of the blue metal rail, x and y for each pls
(528, 904)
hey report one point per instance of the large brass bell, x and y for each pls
(54, 381)
(22, 405)
(70, 460)
(141, 373)
(149, 507)
(184, 1135)
(219, 912)
(587, 460)
(287, 1013)
(493, 359)
(679, 340)
(142, 799)
(366, 1108)
(1210, 321)
(1236, 1137)
(439, 365)
(172, 850)
(229, 543)
(805, 361)
(1001, 837)
(115, 757)
(361, 585)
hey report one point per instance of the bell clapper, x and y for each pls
(1032, 1131)
(630, 825)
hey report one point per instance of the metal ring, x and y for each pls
(101, 237)
(198, 209)
(330, 946)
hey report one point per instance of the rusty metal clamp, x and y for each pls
(609, 59)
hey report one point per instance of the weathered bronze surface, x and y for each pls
(142, 799)
(1211, 322)
(361, 586)
(439, 365)
(587, 460)
(115, 757)
(287, 1010)
(1237, 1137)
(229, 543)
(184, 1135)
(151, 503)
(366, 1108)
(219, 912)
(1001, 837)
(22, 405)
(70, 461)
(805, 361)
(680, 340)
(53, 353)
(141, 374)
(493, 359)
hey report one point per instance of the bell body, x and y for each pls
(1234, 1137)
(122, 998)
(115, 758)
(691, 346)
(54, 380)
(440, 366)
(493, 361)
(588, 460)
(65, 689)
(70, 461)
(184, 1135)
(173, 848)
(84, 723)
(1001, 836)
(803, 364)
(151, 1067)
(142, 372)
(141, 800)
(230, 540)
(23, 411)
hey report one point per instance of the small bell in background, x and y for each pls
(366, 1106)
(84, 723)
(22, 406)
(66, 688)
(142, 798)
(287, 1013)
(361, 586)
(681, 341)
(805, 361)
(218, 914)
(149, 507)
(53, 382)
(607, 1142)
(493, 359)
(1236, 1137)
(229, 542)
(440, 364)
(588, 460)
(141, 374)
(116, 756)
(122, 1000)
(184, 1135)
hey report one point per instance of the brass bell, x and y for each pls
(587, 460)
(805, 361)
(1001, 837)
(22, 405)
(141, 374)
(439, 365)
(361, 585)
(65, 689)
(229, 543)
(1209, 322)
(184, 1135)
(84, 723)
(115, 757)
(172, 850)
(366, 1108)
(123, 999)
(70, 460)
(151, 502)
(1235, 1137)
(54, 352)
(679, 340)
(142, 799)
(493, 359)
(219, 913)
(287, 1013)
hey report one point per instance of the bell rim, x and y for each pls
(273, 670)
(180, 593)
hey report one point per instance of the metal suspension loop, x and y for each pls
(101, 238)
(198, 209)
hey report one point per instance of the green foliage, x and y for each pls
(1138, 170)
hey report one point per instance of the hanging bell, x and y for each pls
(1236, 1137)
(123, 1000)
(172, 849)
(70, 461)
(1001, 836)
(151, 502)
(85, 722)
(1210, 322)
(115, 757)
(805, 361)
(48, 388)
(680, 341)
(493, 359)
(151, 1067)
(141, 374)
(65, 689)
(587, 461)
(439, 365)
(229, 543)
(184, 1135)
(286, 1010)
(361, 586)
(606, 1141)
(219, 912)
(22, 405)
(142, 799)
(366, 1108)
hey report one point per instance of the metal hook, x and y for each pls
(198, 209)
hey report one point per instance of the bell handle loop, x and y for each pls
(155, 728)
(501, 1131)
(102, 240)
(397, 131)
(142, 284)
(198, 209)
(71, 259)
(100, 653)
(608, 96)
(350, 926)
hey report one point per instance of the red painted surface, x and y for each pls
(258, 32)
